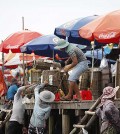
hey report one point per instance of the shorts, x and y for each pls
(78, 70)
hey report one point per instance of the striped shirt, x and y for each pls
(73, 51)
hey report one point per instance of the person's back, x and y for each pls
(73, 50)
(12, 90)
(39, 113)
(41, 110)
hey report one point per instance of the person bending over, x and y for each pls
(78, 65)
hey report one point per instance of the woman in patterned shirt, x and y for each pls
(108, 112)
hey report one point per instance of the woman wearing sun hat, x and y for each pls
(108, 112)
(79, 65)
(41, 110)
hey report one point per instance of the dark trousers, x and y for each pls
(14, 128)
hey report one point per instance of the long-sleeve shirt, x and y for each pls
(18, 107)
(41, 111)
(109, 114)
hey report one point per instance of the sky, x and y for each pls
(44, 15)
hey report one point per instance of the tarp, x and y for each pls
(3, 87)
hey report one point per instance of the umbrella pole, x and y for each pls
(23, 69)
(92, 43)
(53, 55)
(66, 38)
(102, 51)
(97, 57)
(23, 55)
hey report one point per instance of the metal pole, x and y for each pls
(23, 55)
(23, 23)
(53, 56)
(92, 43)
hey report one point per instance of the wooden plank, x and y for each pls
(89, 112)
(79, 126)
(72, 104)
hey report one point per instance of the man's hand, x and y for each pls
(46, 82)
(66, 68)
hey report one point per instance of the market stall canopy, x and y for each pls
(12, 60)
(98, 54)
(71, 30)
(16, 40)
(105, 29)
(43, 46)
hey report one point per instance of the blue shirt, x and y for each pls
(11, 92)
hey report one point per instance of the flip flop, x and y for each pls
(65, 99)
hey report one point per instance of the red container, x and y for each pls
(57, 96)
(85, 95)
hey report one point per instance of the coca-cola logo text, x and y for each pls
(107, 36)
(12, 47)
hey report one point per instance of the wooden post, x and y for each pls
(65, 122)
(51, 124)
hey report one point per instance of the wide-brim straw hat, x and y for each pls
(47, 96)
(61, 44)
(109, 92)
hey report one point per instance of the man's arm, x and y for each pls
(19, 91)
(38, 88)
(74, 63)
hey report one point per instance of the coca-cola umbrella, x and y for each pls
(70, 30)
(16, 40)
(105, 29)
